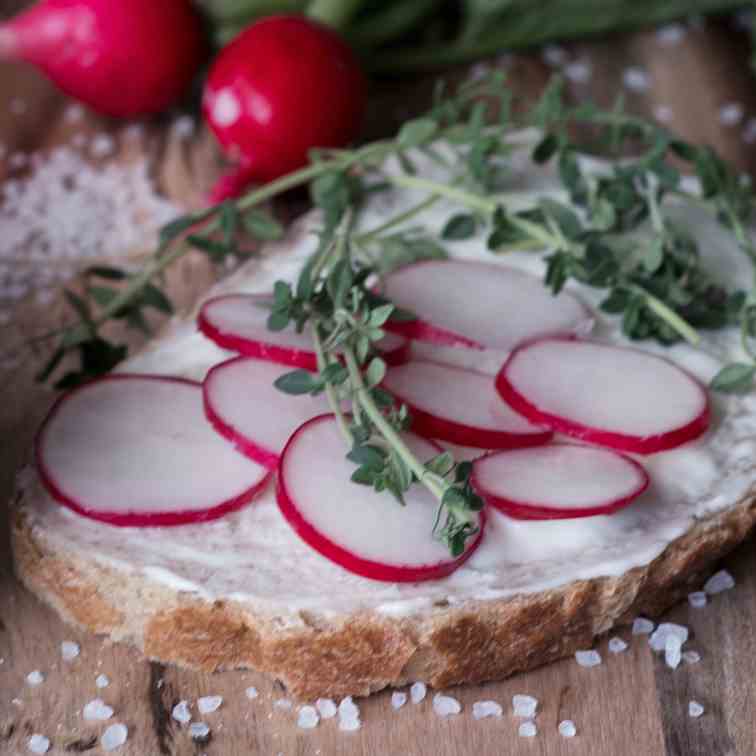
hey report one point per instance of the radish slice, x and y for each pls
(136, 450)
(246, 408)
(365, 532)
(613, 396)
(464, 303)
(238, 322)
(558, 481)
(461, 406)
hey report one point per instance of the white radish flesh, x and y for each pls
(365, 532)
(558, 481)
(239, 322)
(460, 406)
(612, 396)
(137, 450)
(491, 306)
(245, 407)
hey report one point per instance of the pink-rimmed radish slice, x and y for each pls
(136, 450)
(245, 407)
(608, 395)
(238, 322)
(460, 406)
(483, 305)
(367, 533)
(558, 481)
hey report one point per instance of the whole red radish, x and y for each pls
(123, 58)
(283, 86)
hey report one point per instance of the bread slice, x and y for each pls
(245, 592)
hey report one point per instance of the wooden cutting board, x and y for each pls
(631, 705)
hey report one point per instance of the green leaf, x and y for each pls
(461, 226)
(376, 372)
(735, 378)
(77, 335)
(545, 149)
(442, 464)
(215, 250)
(175, 228)
(380, 315)
(370, 457)
(102, 295)
(78, 304)
(278, 321)
(262, 226)
(50, 365)
(335, 373)
(453, 497)
(298, 382)
(363, 476)
(339, 282)
(416, 132)
(102, 271)
(229, 222)
(152, 296)
(463, 472)
(653, 255)
(566, 220)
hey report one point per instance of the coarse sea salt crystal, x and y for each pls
(417, 692)
(670, 34)
(588, 658)
(35, 678)
(691, 657)
(524, 706)
(181, 712)
(617, 645)
(97, 710)
(102, 681)
(114, 737)
(282, 703)
(697, 599)
(308, 718)
(579, 71)
(636, 79)
(527, 730)
(695, 709)
(672, 651)
(731, 114)
(326, 708)
(69, 650)
(658, 639)
(567, 728)
(199, 730)
(663, 113)
(102, 146)
(349, 715)
(446, 706)
(483, 709)
(554, 55)
(718, 582)
(38, 743)
(748, 135)
(209, 704)
(642, 626)
(398, 700)
(251, 692)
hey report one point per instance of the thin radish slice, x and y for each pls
(245, 407)
(558, 481)
(238, 322)
(613, 396)
(461, 406)
(365, 532)
(136, 450)
(480, 304)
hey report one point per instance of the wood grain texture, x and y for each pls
(631, 705)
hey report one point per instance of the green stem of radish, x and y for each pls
(334, 13)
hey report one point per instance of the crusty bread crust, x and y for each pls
(358, 653)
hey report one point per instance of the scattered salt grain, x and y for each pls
(697, 599)
(69, 650)
(691, 657)
(398, 700)
(670, 34)
(102, 681)
(79, 141)
(554, 55)
(97, 710)
(38, 743)
(748, 135)
(114, 737)
(479, 71)
(308, 718)
(588, 658)
(102, 146)
(695, 709)
(731, 114)
(74, 113)
(617, 645)
(417, 692)
(349, 715)
(251, 692)
(326, 708)
(35, 678)
(17, 161)
(673, 651)
(527, 730)
(524, 706)
(18, 106)
(658, 639)
(718, 582)
(209, 704)
(578, 72)
(636, 79)
(199, 730)
(181, 712)
(642, 626)
(483, 709)
(446, 706)
(282, 703)
(567, 728)
(183, 126)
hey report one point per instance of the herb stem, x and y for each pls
(470, 200)
(669, 316)
(368, 236)
(330, 392)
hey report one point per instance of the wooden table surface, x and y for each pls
(632, 705)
